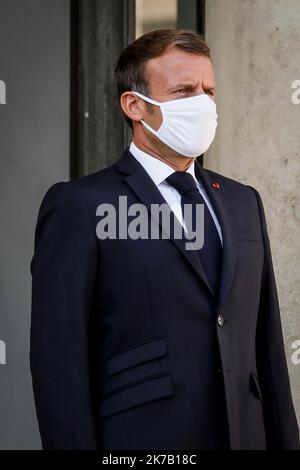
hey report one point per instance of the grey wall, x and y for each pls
(34, 153)
(256, 52)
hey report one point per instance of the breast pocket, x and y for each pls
(136, 376)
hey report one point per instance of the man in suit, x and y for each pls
(140, 343)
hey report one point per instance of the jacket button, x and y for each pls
(220, 320)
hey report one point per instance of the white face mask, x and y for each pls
(189, 124)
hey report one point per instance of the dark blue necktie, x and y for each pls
(211, 252)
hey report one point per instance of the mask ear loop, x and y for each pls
(156, 103)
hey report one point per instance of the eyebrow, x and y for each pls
(211, 88)
(189, 86)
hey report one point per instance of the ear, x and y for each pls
(132, 106)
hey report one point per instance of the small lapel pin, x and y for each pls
(216, 184)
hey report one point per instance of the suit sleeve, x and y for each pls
(63, 269)
(279, 414)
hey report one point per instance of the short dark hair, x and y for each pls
(130, 68)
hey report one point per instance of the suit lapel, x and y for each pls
(144, 188)
(219, 198)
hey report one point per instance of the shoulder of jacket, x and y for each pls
(80, 188)
(229, 182)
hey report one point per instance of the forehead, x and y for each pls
(179, 66)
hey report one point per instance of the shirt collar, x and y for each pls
(156, 169)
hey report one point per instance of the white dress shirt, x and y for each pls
(158, 172)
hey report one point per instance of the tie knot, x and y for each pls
(182, 181)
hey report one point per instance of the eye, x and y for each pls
(183, 90)
(209, 92)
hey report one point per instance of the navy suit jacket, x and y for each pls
(131, 348)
